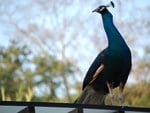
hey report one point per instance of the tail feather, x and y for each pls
(90, 96)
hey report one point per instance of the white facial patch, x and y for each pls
(102, 9)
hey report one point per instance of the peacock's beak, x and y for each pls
(96, 10)
(99, 9)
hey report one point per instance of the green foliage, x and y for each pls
(13, 82)
(53, 73)
(134, 95)
(21, 73)
(138, 94)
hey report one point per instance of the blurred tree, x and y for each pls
(134, 95)
(54, 74)
(138, 94)
(14, 82)
(65, 34)
(21, 72)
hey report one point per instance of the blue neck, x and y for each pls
(113, 35)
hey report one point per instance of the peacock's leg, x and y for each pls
(120, 95)
(110, 88)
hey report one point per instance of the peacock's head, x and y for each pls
(103, 8)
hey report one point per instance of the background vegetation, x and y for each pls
(46, 48)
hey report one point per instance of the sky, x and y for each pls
(4, 31)
(85, 55)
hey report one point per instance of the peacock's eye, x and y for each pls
(102, 8)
